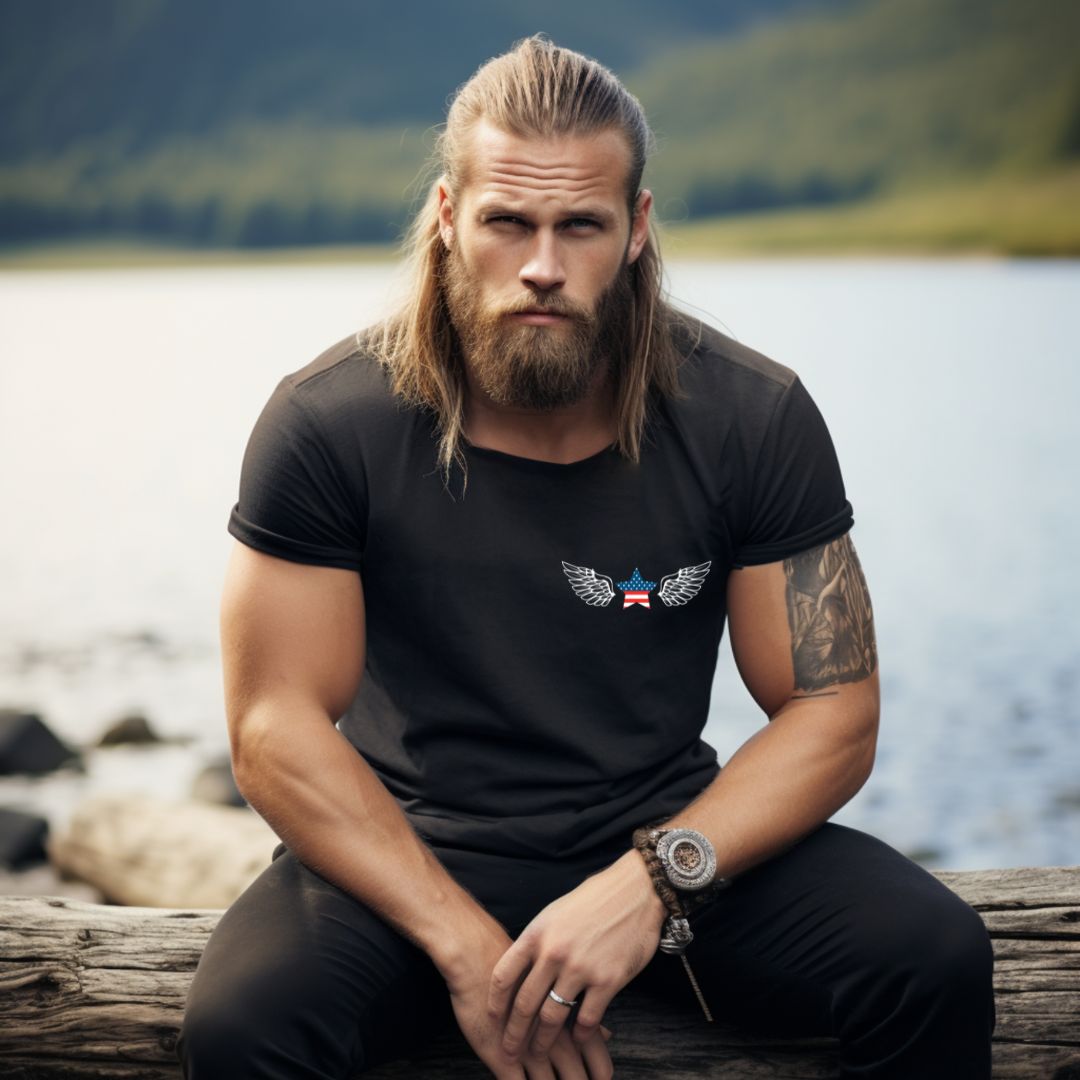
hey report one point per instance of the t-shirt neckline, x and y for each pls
(537, 464)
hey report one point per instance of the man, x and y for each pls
(496, 539)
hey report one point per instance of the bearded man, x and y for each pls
(487, 549)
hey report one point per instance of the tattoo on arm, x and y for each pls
(832, 624)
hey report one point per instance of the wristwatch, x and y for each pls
(688, 859)
(682, 865)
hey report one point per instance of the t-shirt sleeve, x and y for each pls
(796, 499)
(294, 501)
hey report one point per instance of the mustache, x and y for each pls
(549, 305)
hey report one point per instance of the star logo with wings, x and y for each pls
(598, 590)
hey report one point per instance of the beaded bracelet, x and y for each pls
(645, 842)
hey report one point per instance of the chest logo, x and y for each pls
(598, 590)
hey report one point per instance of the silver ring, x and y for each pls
(560, 1000)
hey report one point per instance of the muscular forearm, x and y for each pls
(320, 796)
(785, 780)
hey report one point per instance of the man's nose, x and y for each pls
(544, 267)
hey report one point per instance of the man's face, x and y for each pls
(537, 274)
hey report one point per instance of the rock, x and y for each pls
(22, 837)
(28, 746)
(142, 850)
(129, 729)
(216, 784)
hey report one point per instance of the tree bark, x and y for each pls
(98, 991)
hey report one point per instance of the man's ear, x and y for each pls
(446, 212)
(639, 225)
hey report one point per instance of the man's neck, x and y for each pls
(562, 435)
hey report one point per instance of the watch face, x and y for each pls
(688, 858)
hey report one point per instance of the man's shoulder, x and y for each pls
(344, 398)
(725, 385)
(346, 366)
(345, 383)
(714, 360)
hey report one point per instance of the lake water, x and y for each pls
(951, 389)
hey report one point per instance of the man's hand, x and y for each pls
(586, 946)
(483, 1028)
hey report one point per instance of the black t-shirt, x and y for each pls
(540, 651)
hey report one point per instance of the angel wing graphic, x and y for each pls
(595, 589)
(598, 590)
(676, 589)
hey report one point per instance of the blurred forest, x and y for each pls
(267, 123)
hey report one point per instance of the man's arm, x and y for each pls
(802, 634)
(293, 645)
(803, 638)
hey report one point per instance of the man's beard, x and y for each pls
(539, 367)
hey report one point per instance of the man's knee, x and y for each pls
(938, 947)
(957, 963)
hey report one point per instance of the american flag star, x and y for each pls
(598, 590)
(636, 590)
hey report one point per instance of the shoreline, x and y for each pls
(77, 257)
(1033, 217)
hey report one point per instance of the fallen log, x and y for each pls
(98, 991)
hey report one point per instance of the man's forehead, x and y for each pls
(589, 166)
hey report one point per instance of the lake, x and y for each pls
(951, 388)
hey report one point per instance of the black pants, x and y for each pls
(839, 935)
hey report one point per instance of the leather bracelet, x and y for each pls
(646, 845)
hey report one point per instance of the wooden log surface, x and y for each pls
(91, 990)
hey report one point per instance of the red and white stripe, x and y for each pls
(630, 598)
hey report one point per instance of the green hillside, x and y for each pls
(1036, 215)
(144, 71)
(897, 94)
(827, 116)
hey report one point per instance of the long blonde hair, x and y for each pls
(535, 89)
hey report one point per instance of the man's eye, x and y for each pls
(505, 219)
(582, 223)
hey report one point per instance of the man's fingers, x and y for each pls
(539, 1070)
(505, 976)
(596, 1057)
(552, 1019)
(568, 1060)
(526, 1005)
(591, 1013)
(507, 1072)
(502, 1066)
(606, 1032)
